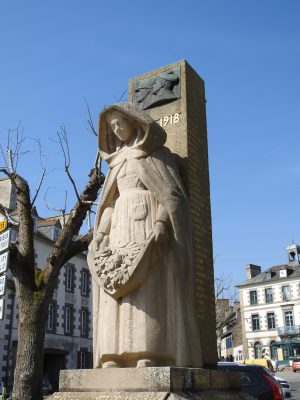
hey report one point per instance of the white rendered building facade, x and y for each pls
(270, 309)
(68, 339)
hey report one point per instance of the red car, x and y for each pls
(296, 364)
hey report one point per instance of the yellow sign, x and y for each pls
(3, 225)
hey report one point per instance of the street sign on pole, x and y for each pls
(2, 284)
(4, 240)
(1, 308)
(3, 225)
(4, 262)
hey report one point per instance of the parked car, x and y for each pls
(264, 362)
(285, 386)
(296, 364)
(256, 381)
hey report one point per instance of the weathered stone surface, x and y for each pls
(151, 379)
(148, 384)
(184, 120)
(206, 395)
(108, 396)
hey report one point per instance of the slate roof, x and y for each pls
(272, 274)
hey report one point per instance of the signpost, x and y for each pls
(4, 240)
(3, 225)
(2, 284)
(5, 237)
(4, 262)
(1, 308)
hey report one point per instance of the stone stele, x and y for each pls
(183, 117)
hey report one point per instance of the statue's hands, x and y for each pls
(161, 232)
(95, 243)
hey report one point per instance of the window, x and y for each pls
(50, 319)
(229, 342)
(83, 322)
(68, 319)
(269, 295)
(84, 283)
(271, 320)
(285, 290)
(56, 232)
(69, 282)
(253, 297)
(83, 360)
(257, 350)
(288, 319)
(249, 378)
(255, 322)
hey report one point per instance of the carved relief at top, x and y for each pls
(158, 89)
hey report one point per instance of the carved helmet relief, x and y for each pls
(158, 89)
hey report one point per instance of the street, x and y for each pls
(294, 382)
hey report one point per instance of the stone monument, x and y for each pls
(150, 257)
(183, 117)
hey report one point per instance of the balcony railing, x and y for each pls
(289, 330)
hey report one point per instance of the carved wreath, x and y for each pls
(116, 266)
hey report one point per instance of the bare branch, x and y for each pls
(91, 127)
(122, 96)
(50, 207)
(3, 155)
(64, 144)
(9, 218)
(38, 188)
(10, 161)
(5, 171)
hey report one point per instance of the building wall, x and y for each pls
(60, 347)
(279, 306)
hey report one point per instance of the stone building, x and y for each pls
(68, 340)
(229, 330)
(270, 309)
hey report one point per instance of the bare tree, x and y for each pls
(34, 288)
(225, 297)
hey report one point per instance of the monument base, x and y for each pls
(151, 383)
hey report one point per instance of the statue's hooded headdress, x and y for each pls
(149, 135)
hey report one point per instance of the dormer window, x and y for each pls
(56, 232)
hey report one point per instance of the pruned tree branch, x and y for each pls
(38, 188)
(91, 127)
(61, 252)
(8, 216)
(64, 145)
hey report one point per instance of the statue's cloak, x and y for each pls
(155, 167)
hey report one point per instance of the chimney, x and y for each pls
(252, 270)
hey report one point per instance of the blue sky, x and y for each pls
(53, 54)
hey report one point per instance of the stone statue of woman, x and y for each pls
(141, 257)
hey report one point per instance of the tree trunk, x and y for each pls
(31, 333)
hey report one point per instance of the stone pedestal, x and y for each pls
(156, 383)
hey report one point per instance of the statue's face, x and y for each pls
(141, 94)
(159, 83)
(121, 127)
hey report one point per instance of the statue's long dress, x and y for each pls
(147, 322)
